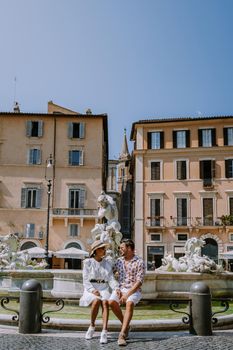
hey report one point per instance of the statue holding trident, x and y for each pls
(108, 232)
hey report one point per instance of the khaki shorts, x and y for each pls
(135, 297)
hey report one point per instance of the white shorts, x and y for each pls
(135, 297)
(87, 298)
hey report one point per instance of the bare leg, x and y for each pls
(105, 314)
(127, 317)
(94, 311)
(116, 309)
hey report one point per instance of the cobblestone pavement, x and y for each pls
(10, 340)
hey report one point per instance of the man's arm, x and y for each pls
(132, 290)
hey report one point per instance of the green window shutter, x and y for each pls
(200, 137)
(70, 157)
(174, 136)
(187, 138)
(149, 140)
(162, 139)
(227, 173)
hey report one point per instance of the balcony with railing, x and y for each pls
(181, 221)
(208, 184)
(64, 212)
(155, 221)
(207, 221)
(189, 222)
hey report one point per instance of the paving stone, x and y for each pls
(223, 341)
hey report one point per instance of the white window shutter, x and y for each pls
(70, 130)
(38, 198)
(82, 194)
(38, 158)
(82, 130)
(40, 128)
(23, 197)
(28, 128)
(81, 156)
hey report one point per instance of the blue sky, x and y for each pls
(132, 59)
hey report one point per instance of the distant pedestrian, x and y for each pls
(131, 270)
(97, 278)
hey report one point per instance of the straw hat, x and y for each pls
(97, 244)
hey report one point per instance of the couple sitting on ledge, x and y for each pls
(98, 280)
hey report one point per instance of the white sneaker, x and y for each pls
(104, 337)
(90, 333)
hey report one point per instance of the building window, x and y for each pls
(73, 230)
(181, 204)
(207, 137)
(181, 169)
(229, 168)
(76, 130)
(207, 172)
(181, 138)
(155, 211)
(179, 251)
(228, 136)
(31, 197)
(75, 157)
(34, 128)
(231, 237)
(230, 205)
(155, 171)
(182, 237)
(155, 140)
(156, 237)
(154, 257)
(28, 245)
(76, 198)
(208, 212)
(30, 231)
(34, 156)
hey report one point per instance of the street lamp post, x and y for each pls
(48, 178)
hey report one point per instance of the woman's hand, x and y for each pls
(96, 292)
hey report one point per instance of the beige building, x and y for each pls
(183, 185)
(78, 147)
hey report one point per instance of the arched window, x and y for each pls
(73, 245)
(28, 245)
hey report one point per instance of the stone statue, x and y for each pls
(192, 261)
(11, 258)
(110, 231)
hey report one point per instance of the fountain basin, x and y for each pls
(163, 285)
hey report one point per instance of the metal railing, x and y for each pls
(182, 221)
(155, 221)
(74, 211)
(161, 221)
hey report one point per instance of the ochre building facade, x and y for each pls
(77, 146)
(183, 186)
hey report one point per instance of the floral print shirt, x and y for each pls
(131, 272)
